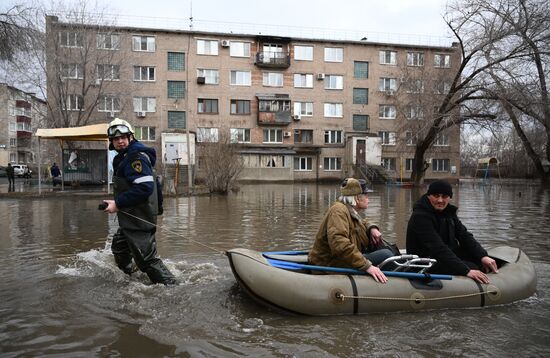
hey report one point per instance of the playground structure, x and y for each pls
(487, 168)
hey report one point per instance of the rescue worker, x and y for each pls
(136, 203)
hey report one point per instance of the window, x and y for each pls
(334, 54)
(303, 109)
(240, 135)
(303, 136)
(415, 86)
(108, 41)
(240, 78)
(74, 102)
(211, 77)
(146, 134)
(239, 106)
(144, 73)
(415, 59)
(13, 126)
(334, 137)
(386, 84)
(207, 47)
(107, 73)
(333, 163)
(440, 165)
(206, 134)
(108, 104)
(442, 87)
(409, 164)
(71, 39)
(143, 43)
(410, 138)
(273, 136)
(360, 96)
(303, 53)
(386, 111)
(333, 110)
(145, 104)
(334, 82)
(176, 89)
(360, 69)
(274, 105)
(239, 49)
(303, 163)
(176, 61)
(388, 138)
(71, 71)
(13, 143)
(273, 79)
(413, 112)
(176, 120)
(388, 57)
(360, 122)
(441, 140)
(303, 80)
(441, 60)
(207, 105)
(388, 163)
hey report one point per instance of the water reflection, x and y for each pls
(63, 295)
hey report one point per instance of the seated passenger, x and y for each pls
(344, 235)
(435, 231)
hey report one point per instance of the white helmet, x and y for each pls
(119, 127)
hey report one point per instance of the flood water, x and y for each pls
(62, 295)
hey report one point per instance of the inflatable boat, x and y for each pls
(285, 281)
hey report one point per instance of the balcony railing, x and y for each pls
(281, 118)
(272, 59)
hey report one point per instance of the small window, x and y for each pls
(207, 47)
(304, 109)
(273, 79)
(360, 122)
(334, 110)
(176, 120)
(239, 49)
(441, 165)
(240, 135)
(442, 61)
(71, 39)
(108, 41)
(303, 163)
(335, 82)
(360, 96)
(410, 138)
(273, 136)
(211, 77)
(107, 73)
(334, 137)
(143, 43)
(387, 84)
(108, 104)
(146, 134)
(205, 134)
(303, 80)
(176, 61)
(303, 136)
(333, 164)
(387, 111)
(207, 106)
(144, 73)
(334, 54)
(176, 89)
(415, 59)
(239, 106)
(409, 164)
(145, 104)
(72, 71)
(388, 57)
(388, 138)
(240, 78)
(360, 69)
(388, 163)
(442, 140)
(74, 102)
(303, 53)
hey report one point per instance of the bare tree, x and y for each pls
(16, 33)
(221, 163)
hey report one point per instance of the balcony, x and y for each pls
(281, 118)
(274, 109)
(272, 59)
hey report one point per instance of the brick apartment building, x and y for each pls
(20, 114)
(302, 109)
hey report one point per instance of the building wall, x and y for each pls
(224, 92)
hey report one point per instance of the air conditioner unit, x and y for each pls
(287, 134)
(201, 80)
(225, 43)
(296, 117)
(320, 76)
(141, 114)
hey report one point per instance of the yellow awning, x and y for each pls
(94, 132)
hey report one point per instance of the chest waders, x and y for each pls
(136, 238)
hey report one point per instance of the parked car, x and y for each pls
(22, 170)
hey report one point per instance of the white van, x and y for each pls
(22, 170)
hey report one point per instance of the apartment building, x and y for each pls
(20, 113)
(301, 109)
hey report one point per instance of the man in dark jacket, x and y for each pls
(435, 231)
(10, 173)
(136, 204)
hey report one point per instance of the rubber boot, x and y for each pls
(159, 273)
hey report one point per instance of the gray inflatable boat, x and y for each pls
(284, 281)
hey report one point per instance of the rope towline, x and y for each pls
(343, 297)
(174, 233)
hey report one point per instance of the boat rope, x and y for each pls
(343, 297)
(175, 233)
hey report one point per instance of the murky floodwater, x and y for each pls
(61, 294)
